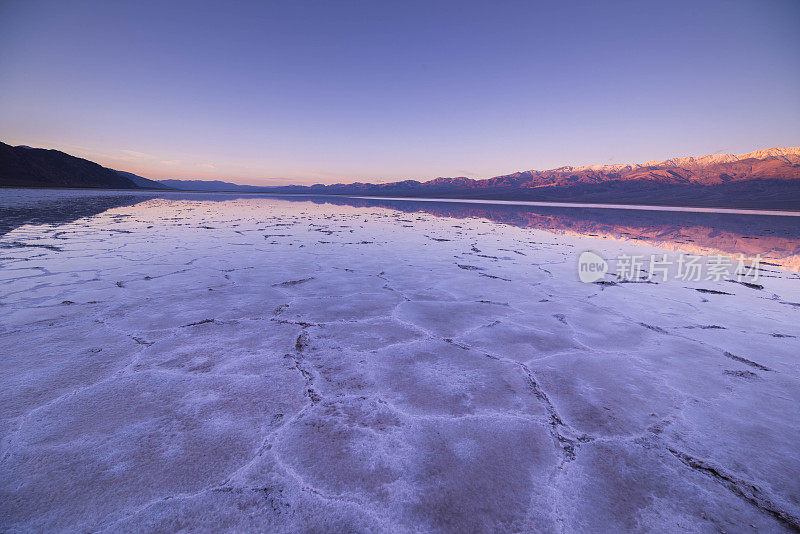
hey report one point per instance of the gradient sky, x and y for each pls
(305, 92)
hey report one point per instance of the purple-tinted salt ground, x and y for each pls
(260, 364)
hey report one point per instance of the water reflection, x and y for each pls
(776, 238)
(44, 207)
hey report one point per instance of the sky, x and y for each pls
(273, 93)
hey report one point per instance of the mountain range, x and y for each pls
(768, 178)
(23, 166)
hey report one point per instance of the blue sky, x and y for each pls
(307, 92)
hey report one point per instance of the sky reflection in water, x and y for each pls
(775, 237)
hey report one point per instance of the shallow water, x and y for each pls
(284, 363)
(775, 236)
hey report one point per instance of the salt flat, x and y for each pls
(229, 363)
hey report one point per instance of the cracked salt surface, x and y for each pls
(203, 362)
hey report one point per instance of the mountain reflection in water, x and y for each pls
(776, 238)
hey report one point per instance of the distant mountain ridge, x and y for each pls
(767, 178)
(772, 163)
(779, 163)
(691, 162)
(142, 181)
(210, 185)
(768, 164)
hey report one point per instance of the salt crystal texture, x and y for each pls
(223, 363)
